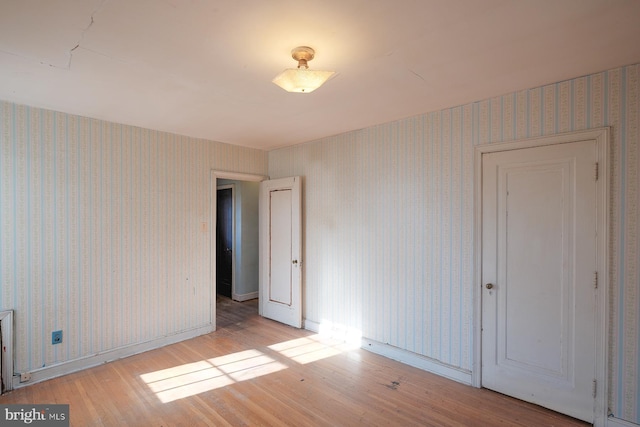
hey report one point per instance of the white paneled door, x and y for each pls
(280, 250)
(539, 275)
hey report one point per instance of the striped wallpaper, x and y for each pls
(388, 234)
(100, 225)
(101, 231)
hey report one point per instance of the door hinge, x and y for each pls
(595, 388)
(595, 279)
(597, 170)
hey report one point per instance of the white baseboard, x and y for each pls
(75, 365)
(406, 357)
(245, 297)
(617, 422)
(311, 325)
(417, 361)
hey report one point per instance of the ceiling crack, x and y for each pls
(29, 58)
(416, 74)
(82, 34)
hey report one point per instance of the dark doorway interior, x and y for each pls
(224, 241)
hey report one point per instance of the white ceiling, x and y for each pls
(203, 68)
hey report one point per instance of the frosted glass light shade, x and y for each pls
(301, 80)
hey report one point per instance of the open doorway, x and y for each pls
(225, 247)
(235, 245)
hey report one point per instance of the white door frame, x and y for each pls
(601, 136)
(215, 175)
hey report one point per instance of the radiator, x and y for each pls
(6, 353)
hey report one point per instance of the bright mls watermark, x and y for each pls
(34, 415)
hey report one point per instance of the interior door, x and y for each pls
(538, 267)
(280, 251)
(224, 241)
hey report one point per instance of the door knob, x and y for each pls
(294, 262)
(489, 286)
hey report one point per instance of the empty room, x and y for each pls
(314, 213)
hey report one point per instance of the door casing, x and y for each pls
(601, 136)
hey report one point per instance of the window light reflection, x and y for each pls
(195, 378)
(190, 379)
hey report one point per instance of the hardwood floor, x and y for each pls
(254, 372)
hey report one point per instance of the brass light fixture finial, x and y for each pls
(303, 54)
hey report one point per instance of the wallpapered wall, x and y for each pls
(101, 224)
(101, 231)
(388, 240)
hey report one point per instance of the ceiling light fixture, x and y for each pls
(302, 79)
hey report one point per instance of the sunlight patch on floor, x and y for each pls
(347, 335)
(194, 378)
(310, 349)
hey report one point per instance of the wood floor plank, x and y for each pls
(253, 371)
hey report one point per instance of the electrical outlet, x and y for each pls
(25, 376)
(56, 337)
